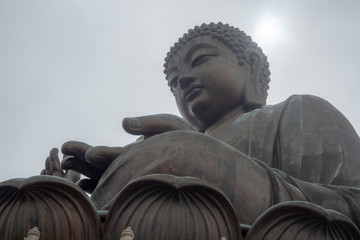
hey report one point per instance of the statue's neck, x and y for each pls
(226, 120)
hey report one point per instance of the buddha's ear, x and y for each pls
(253, 94)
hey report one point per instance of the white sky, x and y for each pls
(73, 69)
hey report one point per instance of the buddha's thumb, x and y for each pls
(154, 124)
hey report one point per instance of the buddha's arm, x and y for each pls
(316, 143)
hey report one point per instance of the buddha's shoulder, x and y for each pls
(295, 106)
(300, 101)
(308, 99)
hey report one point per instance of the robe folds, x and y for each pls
(302, 149)
(304, 136)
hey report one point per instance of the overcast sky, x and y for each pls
(73, 69)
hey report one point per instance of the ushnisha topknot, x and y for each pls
(232, 37)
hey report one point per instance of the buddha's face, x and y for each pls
(207, 81)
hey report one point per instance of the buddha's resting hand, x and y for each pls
(52, 167)
(93, 161)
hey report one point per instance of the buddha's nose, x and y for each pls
(185, 81)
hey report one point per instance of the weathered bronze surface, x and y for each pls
(285, 171)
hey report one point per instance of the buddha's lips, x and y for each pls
(192, 91)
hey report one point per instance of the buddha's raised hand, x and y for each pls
(52, 167)
(88, 160)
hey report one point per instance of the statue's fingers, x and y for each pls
(88, 185)
(154, 124)
(47, 166)
(76, 149)
(102, 156)
(43, 172)
(72, 175)
(55, 163)
(81, 166)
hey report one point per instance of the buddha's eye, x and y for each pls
(201, 59)
(173, 83)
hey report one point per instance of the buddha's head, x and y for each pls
(214, 69)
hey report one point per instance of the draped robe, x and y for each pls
(304, 136)
(301, 149)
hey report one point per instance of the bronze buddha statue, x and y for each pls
(257, 155)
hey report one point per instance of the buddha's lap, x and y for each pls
(184, 153)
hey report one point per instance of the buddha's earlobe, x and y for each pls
(253, 59)
(253, 94)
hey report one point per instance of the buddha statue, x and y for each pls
(258, 155)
